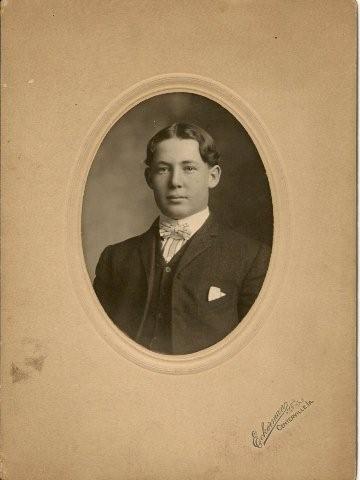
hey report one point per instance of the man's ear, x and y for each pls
(147, 174)
(214, 175)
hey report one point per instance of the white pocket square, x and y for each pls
(215, 293)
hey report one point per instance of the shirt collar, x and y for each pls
(194, 221)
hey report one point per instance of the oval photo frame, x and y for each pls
(248, 327)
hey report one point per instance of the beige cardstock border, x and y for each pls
(281, 253)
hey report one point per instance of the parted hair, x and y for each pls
(207, 147)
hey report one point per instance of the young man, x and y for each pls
(187, 282)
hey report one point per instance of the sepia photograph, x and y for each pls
(177, 223)
(178, 246)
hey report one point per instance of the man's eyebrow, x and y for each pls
(183, 162)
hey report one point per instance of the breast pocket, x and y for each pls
(219, 303)
(217, 306)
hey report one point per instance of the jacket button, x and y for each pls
(167, 269)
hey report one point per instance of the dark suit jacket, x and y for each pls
(215, 256)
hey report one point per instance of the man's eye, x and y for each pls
(162, 169)
(190, 168)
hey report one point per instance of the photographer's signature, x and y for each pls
(287, 412)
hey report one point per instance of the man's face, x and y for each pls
(180, 178)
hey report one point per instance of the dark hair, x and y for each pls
(185, 131)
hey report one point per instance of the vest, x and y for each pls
(156, 333)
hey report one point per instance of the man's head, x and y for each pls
(182, 165)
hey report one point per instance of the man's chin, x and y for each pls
(176, 213)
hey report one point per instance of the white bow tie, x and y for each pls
(175, 231)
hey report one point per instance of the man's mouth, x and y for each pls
(175, 197)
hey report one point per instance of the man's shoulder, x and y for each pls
(236, 236)
(239, 244)
(129, 243)
(128, 246)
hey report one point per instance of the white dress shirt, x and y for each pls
(170, 247)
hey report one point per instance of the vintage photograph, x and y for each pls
(177, 223)
(179, 240)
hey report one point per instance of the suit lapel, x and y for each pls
(200, 242)
(147, 253)
(148, 248)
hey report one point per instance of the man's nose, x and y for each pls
(176, 178)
